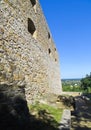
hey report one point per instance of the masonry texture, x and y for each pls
(28, 56)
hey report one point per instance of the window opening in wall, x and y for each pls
(49, 50)
(31, 26)
(49, 35)
(33, 2)
(55, 59)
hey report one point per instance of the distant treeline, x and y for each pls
(76, 79)
(77, 84)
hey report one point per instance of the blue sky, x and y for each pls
(70, 24)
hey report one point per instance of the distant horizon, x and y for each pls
(75, 77)
(70, 78)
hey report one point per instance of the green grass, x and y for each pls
(54, 112)
(68, 88)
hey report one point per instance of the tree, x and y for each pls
(86, 82)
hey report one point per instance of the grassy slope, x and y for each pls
(47, 110)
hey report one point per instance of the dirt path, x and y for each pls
(81, 119)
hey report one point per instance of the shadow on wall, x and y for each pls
(14, 113)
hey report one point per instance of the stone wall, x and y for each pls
(28, 55)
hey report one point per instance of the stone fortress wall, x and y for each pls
(28, 55)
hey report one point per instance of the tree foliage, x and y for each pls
(86, 82)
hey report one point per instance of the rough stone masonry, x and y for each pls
(28, 56)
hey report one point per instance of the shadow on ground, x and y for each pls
(14, 113)
(81, 117)
(77, 125)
